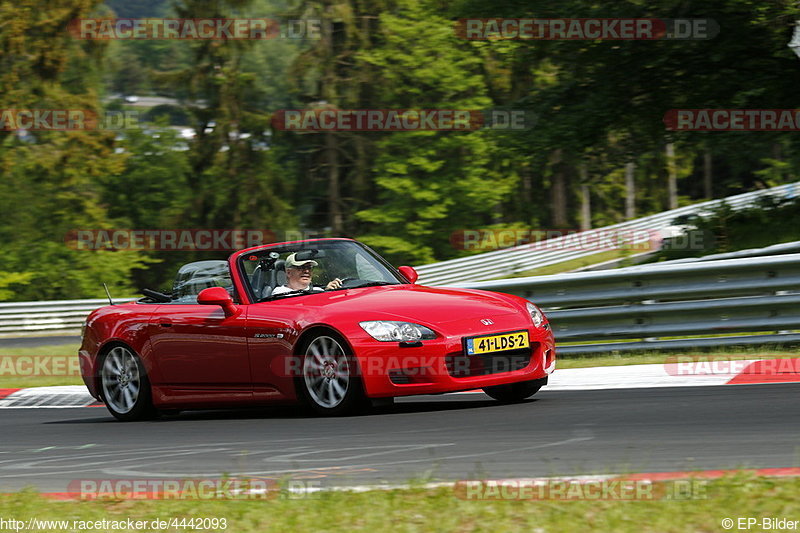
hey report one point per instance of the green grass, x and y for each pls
(421, 510)
(62, 349)
(572, 264)
(643, 358)
(24, 382)
(65, 352)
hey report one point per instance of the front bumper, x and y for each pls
(438, 366)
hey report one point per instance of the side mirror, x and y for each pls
(218, 296)
(409, 272)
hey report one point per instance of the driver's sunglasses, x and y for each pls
(303, 267)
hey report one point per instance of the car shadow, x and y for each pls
(300, 412)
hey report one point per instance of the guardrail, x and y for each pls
(774, 249)
(57, 316)
(511, 261)
(729, 302)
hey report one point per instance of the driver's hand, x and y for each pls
(334, 284)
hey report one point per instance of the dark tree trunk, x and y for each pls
(586, 199)
(630, 190)
(334, 201)
(558, 192)
(708, 178)
(672, 177)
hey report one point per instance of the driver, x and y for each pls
(298, 277)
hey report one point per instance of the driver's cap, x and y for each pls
(291, 261)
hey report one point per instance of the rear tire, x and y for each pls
(124, 385)
(515, 392)
(329, 382)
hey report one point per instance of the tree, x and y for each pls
(430, 183)
(232, 171)
(51, 179)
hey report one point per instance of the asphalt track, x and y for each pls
(463, 436)
(37, 342)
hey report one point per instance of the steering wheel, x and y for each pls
(345, 280)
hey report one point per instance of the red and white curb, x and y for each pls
(49, 397)
(677, 374)
(7, 392)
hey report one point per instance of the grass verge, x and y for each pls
(413, 510)
(573, 264)
(60, 349)
(644, 358)
(18, 376)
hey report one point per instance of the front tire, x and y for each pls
(515, 392)
(124, 385)
(329, 383)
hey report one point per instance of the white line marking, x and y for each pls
(352, 466)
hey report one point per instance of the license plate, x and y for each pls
(497, 343)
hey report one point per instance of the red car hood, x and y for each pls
(410, 302)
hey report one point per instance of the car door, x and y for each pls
(196, 346)
(271, 334)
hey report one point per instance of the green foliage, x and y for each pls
(599, 105)
(9, 279)
(53, 187)
(138, 8)
(430, 184)
(52, 181)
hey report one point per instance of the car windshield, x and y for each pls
(352, 263)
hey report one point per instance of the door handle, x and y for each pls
(166, 324)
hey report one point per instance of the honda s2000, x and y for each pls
(325, 322)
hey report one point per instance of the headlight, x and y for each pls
(536, 315)
(390, 330)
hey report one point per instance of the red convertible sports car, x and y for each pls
(327, 322)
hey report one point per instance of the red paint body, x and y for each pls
(200, 356)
